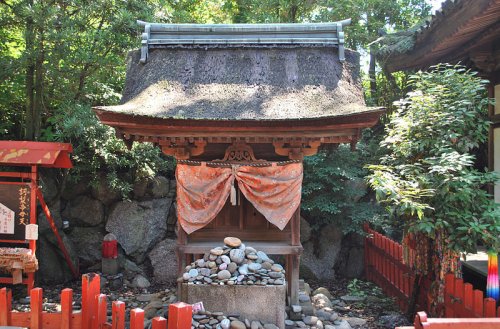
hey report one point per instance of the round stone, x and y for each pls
(232, 242)
(278, 281)
(223, 275)
(243, 269)
(217, 251)
(193, 273)
(225, 259)
(237, 255)
(225, 324)
(205, 271)
(254, 267)
(276, 275)
(212, 264)
(267, 265)
(186, 276)
(262, 255)
(232, 267)
(235, 324)
(200, 263)
(277, 268)
(223, 266)
(252, 256)
(250, 250)
(240, 278)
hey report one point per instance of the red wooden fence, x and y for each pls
(93, 314)
(384, 266)
(421, 322)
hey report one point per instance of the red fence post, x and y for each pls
(91, 287)
(5, 306)
(159, 323)
(118, 315)
(36, 303)
(100, 311)
(180, 316)
(478, 303)
(468, 298)
(490, 306)
(137, 319)
(66, 308)
(449, 290)
(459, 298)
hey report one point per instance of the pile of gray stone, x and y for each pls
(210, 320)
(234, 264)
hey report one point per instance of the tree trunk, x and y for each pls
(39, 76)
(372, 76)
(30, 74)
(415, 293)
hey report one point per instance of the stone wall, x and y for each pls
(145, 230)
(144, 227)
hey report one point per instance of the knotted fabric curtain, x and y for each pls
(202, 191)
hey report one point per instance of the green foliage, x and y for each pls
(97, 151)
(428, 178)
(334, 191)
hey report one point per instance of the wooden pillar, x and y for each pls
(293, 260)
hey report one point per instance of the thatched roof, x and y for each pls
(282, 82)
(461, 31)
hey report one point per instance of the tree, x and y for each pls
(428, 179)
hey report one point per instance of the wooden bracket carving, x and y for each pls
(239, 152)
(184, 150)
(296, 150)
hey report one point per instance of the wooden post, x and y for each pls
(33, 189)
(118, 315)
(478, 303)
(459, 295)
(294, 279)
(179, 316)
(137, 319)
(159, 323)
(5, 306)
(490, 306)
(36, 303)
(295, 227)
(91, 287)
(66, 308)
(449, 290)
(100, 311)
(467, 307)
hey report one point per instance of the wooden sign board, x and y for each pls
(14, 210)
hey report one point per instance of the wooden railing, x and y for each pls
(93, 314)
(384, 266)
(421, 322)
(461, 300)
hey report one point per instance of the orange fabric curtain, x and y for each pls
(202, 191)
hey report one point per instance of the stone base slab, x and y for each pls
(264, 303)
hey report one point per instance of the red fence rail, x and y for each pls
(421, 322)
(93, 314)
(384, 266)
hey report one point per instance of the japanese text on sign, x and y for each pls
(6, 220)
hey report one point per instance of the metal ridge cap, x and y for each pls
(238, 28)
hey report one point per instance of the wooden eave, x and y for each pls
(452, 37)
(127, 125)
(184, 138)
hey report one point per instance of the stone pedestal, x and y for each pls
(110, 266)
(264, 303)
